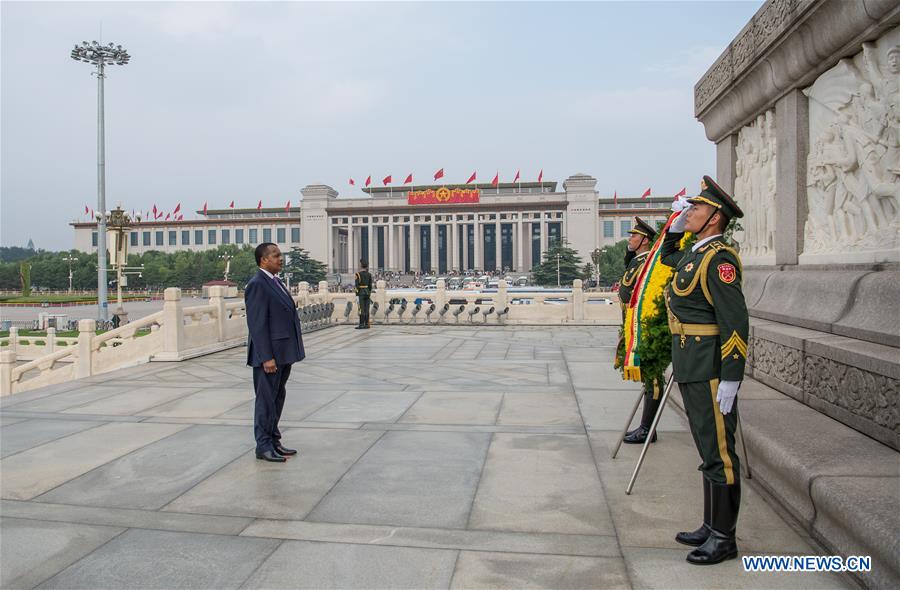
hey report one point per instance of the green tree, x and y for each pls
(560, 256)
(611, 261)
(303, 267)
(15, 253)
(25, 278)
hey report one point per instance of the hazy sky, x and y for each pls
(255, 100)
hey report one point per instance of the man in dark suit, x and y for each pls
(363, 287)
(274, 344)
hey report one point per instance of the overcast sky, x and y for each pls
(254, 100)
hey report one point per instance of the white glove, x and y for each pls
(679, 222)
(680, 204)
(726, 394)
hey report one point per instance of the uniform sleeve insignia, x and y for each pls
(727, 273)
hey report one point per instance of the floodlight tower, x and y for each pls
(101, 56)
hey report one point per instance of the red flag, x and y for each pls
(352, 182)
(369, 180)
(681, 193)
(168, 215)
(288, 206)
(204, 207)
(439, 174)
(92, 212)
(472, 178)
(516, 179)
(541, 176)
(615, 197)
(232, 205)
(177, 209)
(85, 209)
(496, 180)
(259, 205)
(387, 180)
(408, 179)
(180, 217)
(646, 194)
(155, 216)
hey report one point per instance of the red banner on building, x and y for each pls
(443, 195)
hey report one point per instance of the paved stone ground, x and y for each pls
(460, 458)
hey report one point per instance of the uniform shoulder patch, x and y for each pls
(727, 272)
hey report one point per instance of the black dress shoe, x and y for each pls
(717, 548)
(271, 456)
(284, 451)
(638, 436)
(359, 328)
(694, 538)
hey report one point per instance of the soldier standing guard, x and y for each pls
(363, 290)
(642, 237)
(709, 324)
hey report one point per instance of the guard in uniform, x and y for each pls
(363, 289)
(642, 237)
(709, 324)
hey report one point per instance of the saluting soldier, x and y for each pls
(363, 290)
(709, 324)
(642, 237)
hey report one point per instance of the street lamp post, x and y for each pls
(70, 259)
(120, 223)
(101, 56)
(557, 268)
(597, 254)
(227, 258)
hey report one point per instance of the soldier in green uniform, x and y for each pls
(363, 289)
(642, 237)
(709, 324)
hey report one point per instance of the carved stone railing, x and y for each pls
(176, 333)
(31, 347)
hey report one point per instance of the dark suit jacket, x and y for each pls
(272, 322)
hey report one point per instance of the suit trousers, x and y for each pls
(270, 394)
(713, 432)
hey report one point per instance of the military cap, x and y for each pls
(712, 194)
(643, 228)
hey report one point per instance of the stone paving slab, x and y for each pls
(314, 566)
(470, 457)
(162, 559)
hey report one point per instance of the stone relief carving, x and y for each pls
(865, 394)
(754, 185)
(777, 360)
(853, 167)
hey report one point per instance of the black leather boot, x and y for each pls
(639, 434)
(720, 545)
(698, 537)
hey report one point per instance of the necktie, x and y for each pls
(281, 286)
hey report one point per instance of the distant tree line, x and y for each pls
(185, 269)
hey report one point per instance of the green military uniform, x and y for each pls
(710, 328)
(363, 289)
(634, 264)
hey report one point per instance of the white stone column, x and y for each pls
(350, 266)
(414, 251)
(455, 254)
(370, 255)
(465, 246)
(498, 244)
(517, 244)
(544, 240)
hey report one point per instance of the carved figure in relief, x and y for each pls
(755, 184)
(853, 167)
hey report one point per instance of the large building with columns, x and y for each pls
(436, 228)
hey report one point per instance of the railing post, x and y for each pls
(13, 339)
(381, 294)
(577, 300)
(217, 299)
(7, 362)
(502, 295)
(440, 296)
(304, 293)
(173, 323)
(51, 340)
(87, 330)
